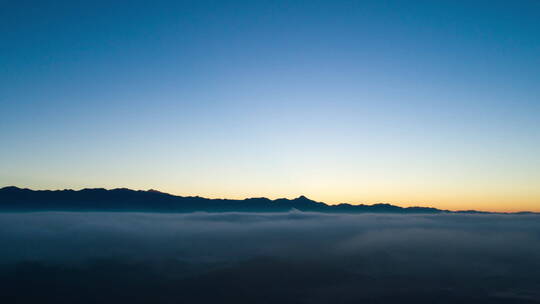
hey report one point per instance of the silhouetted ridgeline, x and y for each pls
(17, 199)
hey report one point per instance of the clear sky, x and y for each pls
(429, 103)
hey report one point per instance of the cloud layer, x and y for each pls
(355, 256)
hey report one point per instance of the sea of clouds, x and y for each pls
(497, 254)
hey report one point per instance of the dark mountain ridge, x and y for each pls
(123, 199)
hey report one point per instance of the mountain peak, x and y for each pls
(123, 199)
(10, 188)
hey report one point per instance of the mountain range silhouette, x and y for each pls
(123, 199)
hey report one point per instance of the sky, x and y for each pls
(407, 102)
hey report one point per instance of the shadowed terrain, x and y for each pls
(17, 199)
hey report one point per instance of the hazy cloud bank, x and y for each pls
(495, 255)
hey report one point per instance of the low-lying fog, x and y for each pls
(291, 257)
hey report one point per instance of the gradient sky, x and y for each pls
(428, 103)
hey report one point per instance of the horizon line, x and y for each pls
(270, 199)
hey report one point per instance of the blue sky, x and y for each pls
(410, 102)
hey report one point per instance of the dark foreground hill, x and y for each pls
(18, 199)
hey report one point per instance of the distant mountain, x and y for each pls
(122, 199)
